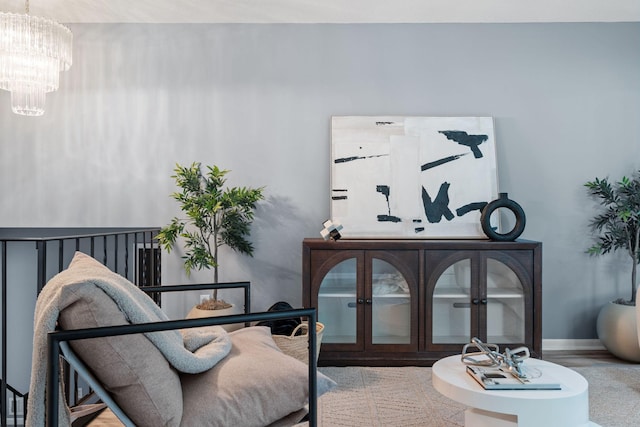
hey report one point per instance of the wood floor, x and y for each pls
(583, 358)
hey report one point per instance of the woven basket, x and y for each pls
(297, 346)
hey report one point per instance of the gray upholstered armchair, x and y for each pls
(148, 373)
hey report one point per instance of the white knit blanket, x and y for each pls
(197, 350)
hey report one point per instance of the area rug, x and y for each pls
(404, 396)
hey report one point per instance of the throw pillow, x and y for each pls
(130, 367)
(255, 385)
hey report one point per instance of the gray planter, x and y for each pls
(618, 331)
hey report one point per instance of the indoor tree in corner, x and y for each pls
(618, 228)
(215, 216)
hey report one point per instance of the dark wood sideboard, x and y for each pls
(412, 302)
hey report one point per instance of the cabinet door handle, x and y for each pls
(483, 301)
(369, 301)
(360, 300)
(475, 301)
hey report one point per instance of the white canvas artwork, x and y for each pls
(412, 177)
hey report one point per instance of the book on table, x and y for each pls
(496, 378)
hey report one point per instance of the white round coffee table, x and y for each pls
(568, 407)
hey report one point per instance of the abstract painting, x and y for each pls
(412, 177)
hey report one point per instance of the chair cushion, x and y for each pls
(255, 385)
(130, 367)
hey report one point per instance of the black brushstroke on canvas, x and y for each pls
(384, 123)
(475, 206)
(417, 221)
(388, 218)
(386, 191)
(419, 230)
(339, 190)
(352, 158)
(441, 161)
(439, 207)
(463, 138)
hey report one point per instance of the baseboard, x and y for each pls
(572, 345)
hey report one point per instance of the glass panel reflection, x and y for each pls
(337, 303)
(505, 307)
(391, 307)
(451, 309)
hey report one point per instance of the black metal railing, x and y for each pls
(29, 257)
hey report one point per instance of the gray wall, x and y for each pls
(257, 99)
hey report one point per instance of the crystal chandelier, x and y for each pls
(33, 51)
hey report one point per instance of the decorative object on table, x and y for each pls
(503, 201)
(34, 51)
(412, 177)
(215, 217)
(498, 379)
(331, 230)
(510, 360)
(503, 371)
(617, 227)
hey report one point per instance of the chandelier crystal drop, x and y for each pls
(33, 51)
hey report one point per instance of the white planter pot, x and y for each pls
(617, 329)
(196, 313)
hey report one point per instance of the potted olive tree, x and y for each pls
(215, 216)
(617, 227)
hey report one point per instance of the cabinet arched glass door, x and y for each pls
(337, 303)
(451, 311)
(505, 298)
(391, 305)
(477, 295)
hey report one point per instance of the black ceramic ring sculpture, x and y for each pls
(503, 202)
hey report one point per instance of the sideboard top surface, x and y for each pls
(459, 244)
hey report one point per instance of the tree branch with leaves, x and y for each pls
(618, 224)
(215, 216)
